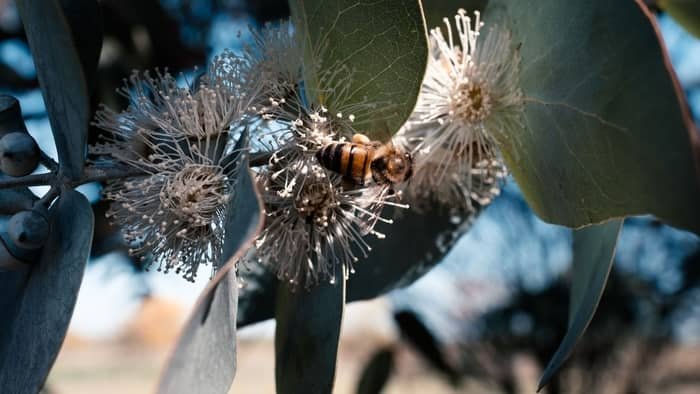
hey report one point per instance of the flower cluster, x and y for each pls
(315, 219)
(175, 142)
(469, 97)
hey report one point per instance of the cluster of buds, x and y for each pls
(24, 224)
(317, 216)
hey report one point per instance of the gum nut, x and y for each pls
(19, 154)
(28, 230)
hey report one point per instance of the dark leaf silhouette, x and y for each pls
(418, 335)
(61, 78)
(29, 347)
(377, 372)
(306, 338)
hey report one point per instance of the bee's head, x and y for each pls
(394, 168)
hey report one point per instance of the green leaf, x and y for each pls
(594, 252)
(607, 132)
(29, 348)
(383, 45)
(306, 338)
(685, 12)
(205, 355)
(377, 372)
(396, 261)
(61, 78)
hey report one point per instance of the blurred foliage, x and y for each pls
(686, 12)
(630, 346)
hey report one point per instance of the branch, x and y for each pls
(46, 178)
(96, 174)
(93, 174)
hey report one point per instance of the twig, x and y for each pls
(260, 159)
(48, 162)
(96, 174)
(92, 174)
(46, 199)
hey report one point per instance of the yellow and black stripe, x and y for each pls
(347, 159)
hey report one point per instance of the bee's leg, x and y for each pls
(361, 139)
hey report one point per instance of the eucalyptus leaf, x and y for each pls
(377, 372)
(29, 348)
(61, 78)
(607, 131)
(382, 44)
(306, 337)
(685, 12)
(85, 21)
(594, 252)
(205, 355)
(12, 284)
(414, 243)
(204, 359)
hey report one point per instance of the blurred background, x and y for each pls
(486, 320)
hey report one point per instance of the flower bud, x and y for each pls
(14, 257)
(19, 154)
(10, 115)
(28, 229)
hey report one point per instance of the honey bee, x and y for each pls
(363, 160)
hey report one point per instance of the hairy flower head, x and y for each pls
(176, 142)
(316, 220)
(314, 226)
(470, 96)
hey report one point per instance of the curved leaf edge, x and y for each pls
(584, 300)
(206, 295)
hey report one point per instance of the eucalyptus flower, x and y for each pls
(470, 96)
(316, 220)
(176, 142)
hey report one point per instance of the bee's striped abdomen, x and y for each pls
(348, 159)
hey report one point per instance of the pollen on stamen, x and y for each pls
(470, 98)
(171, 214)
